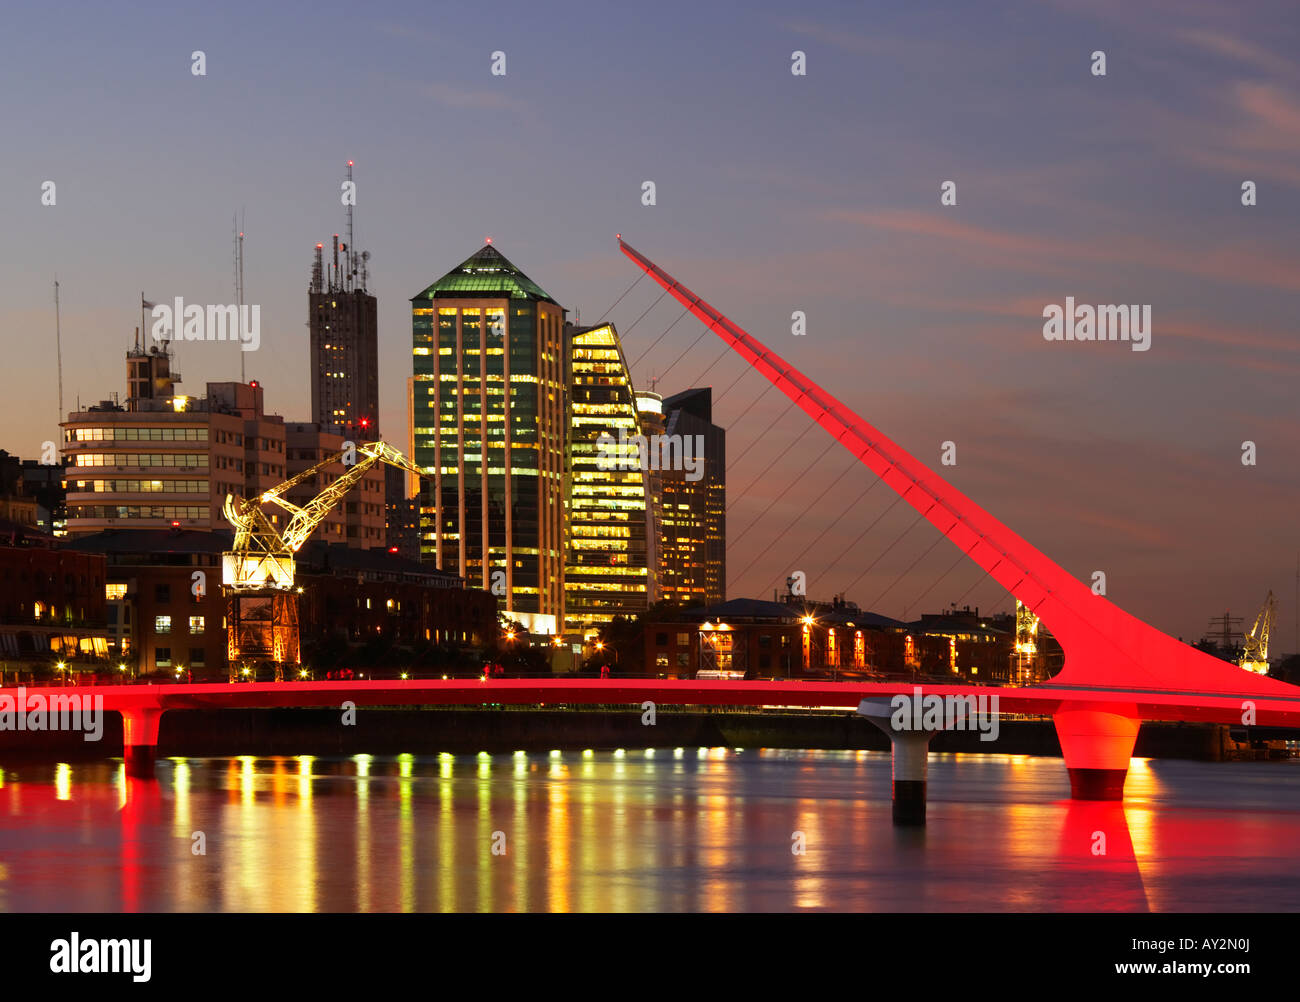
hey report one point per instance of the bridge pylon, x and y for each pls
(140, 739)
(1096, 744)
(910, 748)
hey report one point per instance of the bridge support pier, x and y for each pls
(1097, 746)
(140, 740)
(911, 759)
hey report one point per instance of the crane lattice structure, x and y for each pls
(258, 572)
(1254, 655)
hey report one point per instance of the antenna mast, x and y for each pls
(351, 258)
(239, 293)
(58, 342)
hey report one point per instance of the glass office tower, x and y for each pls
(606, 571)
(488, 425)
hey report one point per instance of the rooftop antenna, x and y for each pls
(317, 271)
(350, 258)
(239, 291)
(58, 342)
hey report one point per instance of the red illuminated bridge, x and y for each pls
(142, 706)
(1118, 670)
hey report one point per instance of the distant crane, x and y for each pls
(257, 575)
(1254, 655)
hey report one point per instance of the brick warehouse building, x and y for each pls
(165, 600)
(793, 639)
(358, 594)
(52, 604)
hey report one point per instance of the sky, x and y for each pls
(775, 193)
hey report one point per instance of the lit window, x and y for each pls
(162, 624)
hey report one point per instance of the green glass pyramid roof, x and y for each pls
(485, 274)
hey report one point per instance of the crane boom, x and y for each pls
(1254, 655)
(262, 557)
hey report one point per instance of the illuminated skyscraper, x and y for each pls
(693, 512)
(343, 325)
(343, 320)
(489, 384)
(605, 573)
(650, 408)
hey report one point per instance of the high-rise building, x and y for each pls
(605, 572)
(488, 424)
(343, 320)
(166, 459)
(357, 520)
(693, 509)
(650, 409)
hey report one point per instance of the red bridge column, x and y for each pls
(140, 740)
(1097, 745)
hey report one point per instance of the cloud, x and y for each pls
(894, 46)
(457, 97)
(1237, 49)
(1249, 265)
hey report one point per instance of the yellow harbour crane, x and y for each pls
(257, 575)
(1254, 654)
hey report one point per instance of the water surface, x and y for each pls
(686, 830)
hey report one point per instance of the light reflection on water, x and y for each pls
(679, 830)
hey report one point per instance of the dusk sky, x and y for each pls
(775, 193)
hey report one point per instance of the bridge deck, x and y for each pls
(1146, 704)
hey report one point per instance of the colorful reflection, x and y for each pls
(720, 830)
